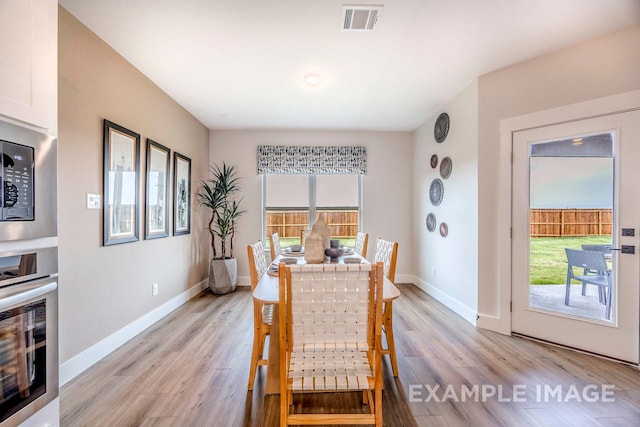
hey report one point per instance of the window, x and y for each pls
(292, 203)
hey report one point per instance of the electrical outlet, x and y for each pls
(433, 271)
(154, 289)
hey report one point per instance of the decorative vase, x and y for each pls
(334, 253)
(314, 247)
(223, 275)
(323, 228)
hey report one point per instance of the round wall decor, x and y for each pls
(444, 229)
(431, 222)
(441, 128)
(436, 191)
(445, 167)
(434, 161)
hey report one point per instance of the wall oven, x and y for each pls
(28, 273)
(28, 333)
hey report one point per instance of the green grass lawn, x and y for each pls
(548, 260)
(288, 241)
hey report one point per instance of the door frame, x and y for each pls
(614, 104)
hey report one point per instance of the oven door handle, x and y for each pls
(19, 294)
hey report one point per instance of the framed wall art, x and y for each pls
(121, 182)
(181, 194)
(157, 191)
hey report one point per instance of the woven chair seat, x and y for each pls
(330, 370)
(267, 314)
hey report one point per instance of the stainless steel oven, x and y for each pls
(28, 332)
(28, 273)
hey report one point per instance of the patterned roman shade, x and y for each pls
(305, 160)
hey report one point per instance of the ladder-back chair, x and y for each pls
(387, 253)
(262, 313)
(274, 241)
(362, 241)
(330, 338)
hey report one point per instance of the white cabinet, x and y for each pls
(28, 62)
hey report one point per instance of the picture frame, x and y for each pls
(157, 194)
(181, 194)
(121, 184)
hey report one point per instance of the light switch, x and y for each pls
(93, 201)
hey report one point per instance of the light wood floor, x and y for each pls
(191, 368)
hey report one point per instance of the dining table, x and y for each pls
(267, 291)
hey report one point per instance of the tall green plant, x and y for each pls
(218, 194)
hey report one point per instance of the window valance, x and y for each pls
(304, 160)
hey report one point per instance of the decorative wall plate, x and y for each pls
(445, 167)
(444, 229)
(431, 221)
(434, 161)
(441, 128)
(436, 191)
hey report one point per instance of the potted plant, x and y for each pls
(218, 194)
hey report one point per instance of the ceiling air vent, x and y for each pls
(360, 18)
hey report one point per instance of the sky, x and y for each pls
(571, 182)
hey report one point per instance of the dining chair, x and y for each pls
(362, 241)
(262, 313)
(274, 241)
(303, 235)
(592, 261)
(330, 338)
(387, 253)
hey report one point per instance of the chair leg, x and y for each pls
(609, 298)
(284, 408)
(256, 353)
(568, 290)
(388, 330)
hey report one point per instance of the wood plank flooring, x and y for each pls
(191, 369)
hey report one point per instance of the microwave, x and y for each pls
(17, 173)
(28, 172)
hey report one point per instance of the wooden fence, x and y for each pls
(290, 223)
(570, 222)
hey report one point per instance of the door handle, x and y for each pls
(626, 249)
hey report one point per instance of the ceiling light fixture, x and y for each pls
(312, 79)
(576, 141)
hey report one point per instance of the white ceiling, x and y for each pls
(238, 64)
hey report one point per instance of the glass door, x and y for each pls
(576, 219)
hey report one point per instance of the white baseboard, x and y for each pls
(404, 278)
(76, 365)
(244, 281)
(456, 306)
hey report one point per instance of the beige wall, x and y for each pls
(387, 187)
(103, 289)
(447, 268)
(603, 66)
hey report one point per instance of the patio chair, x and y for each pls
(274, 241)
(362, 241)
(330, 339)
(262, 313)
(606, 249)
(387, 253)
(594, 262)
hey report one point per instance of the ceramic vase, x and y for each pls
(314, 247)
(323, 228)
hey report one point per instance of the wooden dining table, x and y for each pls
(267, 291)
